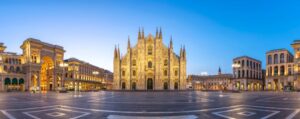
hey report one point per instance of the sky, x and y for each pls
(213, 31)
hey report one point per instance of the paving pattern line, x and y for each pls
(280, 108)
(32, 108)
(143, 112)
(156, 117)
(9, 116)
(291, 116)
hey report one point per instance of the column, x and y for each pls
(39, 80)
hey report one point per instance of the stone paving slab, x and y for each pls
(144, 105)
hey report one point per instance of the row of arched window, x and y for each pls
(12, 61)
(276, 71)
(34, 58)
(12, 69)
(82, 76)
(14, 81)
(248, 74)
(165, 73)
(166, 86)
(250, 64)
(150, 63)
(88, 70)
(276, 59)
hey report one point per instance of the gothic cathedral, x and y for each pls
(150, 65)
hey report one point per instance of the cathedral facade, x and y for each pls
(150, 65)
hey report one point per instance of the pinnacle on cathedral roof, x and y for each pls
(156, 35)
(129, 46)
(160, 33)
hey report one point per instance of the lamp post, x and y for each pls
(63, 65)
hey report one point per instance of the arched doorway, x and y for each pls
(165, 86)
(133, 86)
(47, 74)
(123, 86)
(176, 86)
(238, 86)
(149, 84)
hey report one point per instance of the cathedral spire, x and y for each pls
(128, 43)
(183, 52)
(143, 32)
(180, 51)
(139, 36)
(116, 52)
(156, 35)
(171, 43)
(160, 34)
(219, 71)
(119, 51)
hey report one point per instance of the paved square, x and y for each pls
(150, 105)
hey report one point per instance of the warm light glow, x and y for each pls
(236, 65)
(95, 72)
(64, 65)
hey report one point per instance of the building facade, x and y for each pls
(219, 82)
(108, 80)
(38, 68)
(150, 65)
(12, 76)
(42, 65)
(247, 73)
(283, 69)
(82, 76)
(279, 70)
(296, 47)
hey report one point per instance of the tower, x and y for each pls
(116, 68)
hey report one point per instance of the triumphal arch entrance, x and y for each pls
(42, 65)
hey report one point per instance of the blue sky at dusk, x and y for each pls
(213, 31)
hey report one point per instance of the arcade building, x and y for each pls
(41, 67)
(283, 69)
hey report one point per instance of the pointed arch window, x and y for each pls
(149, 64)
(133, 73)
(134, 62)
(166, 62)
(176, 73)
(165, 73)
(150, 50)
(123, 73)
